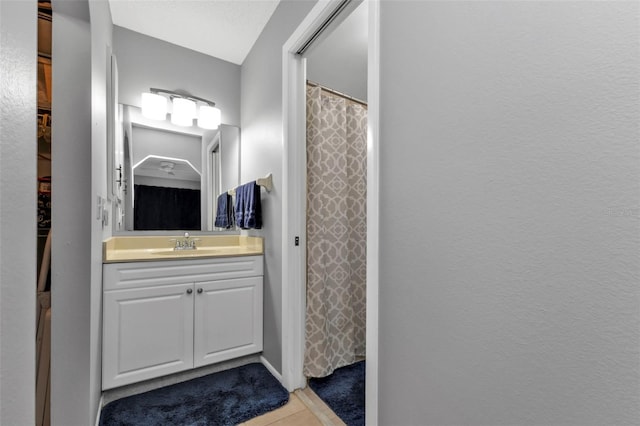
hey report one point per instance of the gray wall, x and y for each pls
(147, 141)
(167, 183)
(145, 62)
(18, 46)
(71, 218)
(509, 290)
(262, 153)
(339, 61)
(229, 157)
(101, 43)
(80, 81)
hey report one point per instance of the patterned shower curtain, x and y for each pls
(336, 232)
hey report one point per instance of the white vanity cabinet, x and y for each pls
(147, 332)
(227, 324)
(169, 316)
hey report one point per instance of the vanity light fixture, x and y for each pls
(186, 108)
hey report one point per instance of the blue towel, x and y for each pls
(224, 212)
(248, 206)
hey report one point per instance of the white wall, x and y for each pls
(510, 200)
(18, 47)
(262, 153)
(145, 62)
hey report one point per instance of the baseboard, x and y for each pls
(100, 403)
(271, 369)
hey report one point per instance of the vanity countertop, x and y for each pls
(154, 248)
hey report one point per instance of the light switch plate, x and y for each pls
(105, 217)
(99, 209)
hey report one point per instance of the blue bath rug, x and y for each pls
(225, 398)
(343, 392)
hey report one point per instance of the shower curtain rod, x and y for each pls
(323, 27)
(335, 92)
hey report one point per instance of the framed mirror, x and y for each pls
(168, 177)
(156, 153)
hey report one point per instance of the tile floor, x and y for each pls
(304, 408)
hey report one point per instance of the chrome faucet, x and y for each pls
(186, 243)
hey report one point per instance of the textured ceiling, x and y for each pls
(226, 29)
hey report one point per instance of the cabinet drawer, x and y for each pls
(118, 276)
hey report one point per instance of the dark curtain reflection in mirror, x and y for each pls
(160, 208)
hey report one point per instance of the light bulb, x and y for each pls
(209, 117)
(184, 111)
(154, 106)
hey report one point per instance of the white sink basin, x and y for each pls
(209, 251)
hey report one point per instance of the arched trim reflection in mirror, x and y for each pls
(174, 161)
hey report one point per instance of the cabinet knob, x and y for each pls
(199, 290)
(189, 290)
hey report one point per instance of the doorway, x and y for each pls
(211, 182)
(44, 222)
(294, 204)
(336, 174)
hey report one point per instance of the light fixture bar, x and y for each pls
(173, 94)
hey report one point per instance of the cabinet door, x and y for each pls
(228, 319)
(148, 332)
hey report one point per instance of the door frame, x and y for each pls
(294, 202)
(210, 181)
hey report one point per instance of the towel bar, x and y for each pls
(266, 182)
